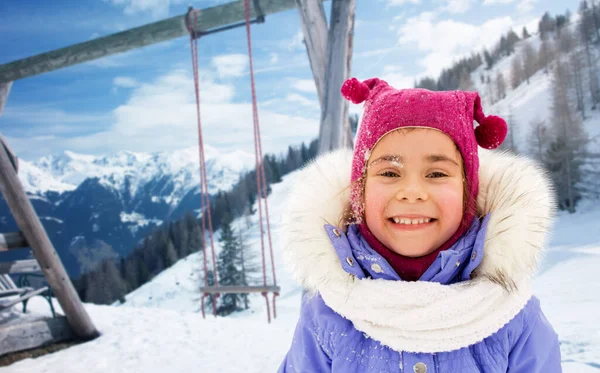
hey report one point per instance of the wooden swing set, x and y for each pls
(329, 53)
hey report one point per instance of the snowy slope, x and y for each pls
(158, 329)
(176, 287)
(529, 103)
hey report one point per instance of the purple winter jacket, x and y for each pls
(325, 341)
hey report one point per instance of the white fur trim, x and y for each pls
(408, 315)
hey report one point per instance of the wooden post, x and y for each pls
(334, 131)
(4, 90)
(42, 248)
(314, 28)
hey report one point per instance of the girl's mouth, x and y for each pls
(413, 221)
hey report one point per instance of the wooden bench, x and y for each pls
(11, 294)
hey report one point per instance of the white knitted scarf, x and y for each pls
(425, 316)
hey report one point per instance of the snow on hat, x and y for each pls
(452, 112)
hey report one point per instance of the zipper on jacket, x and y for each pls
(401, 362)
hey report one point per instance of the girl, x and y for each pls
(429, 267)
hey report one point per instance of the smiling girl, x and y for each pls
(416, 258)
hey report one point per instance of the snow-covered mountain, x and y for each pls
(128, 172)
(105, 204)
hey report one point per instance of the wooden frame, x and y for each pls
(12, 241)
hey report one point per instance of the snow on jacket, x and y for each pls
(471, 311)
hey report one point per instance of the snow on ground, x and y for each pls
(159, 329)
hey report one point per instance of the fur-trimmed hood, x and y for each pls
(513, 190)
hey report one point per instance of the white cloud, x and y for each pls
(394, 76)
(491, 2)
(158, 8)
(54, 120)
(402, 2)
(457, 6)
(299, 99)
(304, 85)
(444, 41)
(161, 116)
(297, 42)
(375, 52)
(125, 82)
(273, 58)
(230, 65)
(526, 5)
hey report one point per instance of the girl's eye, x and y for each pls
(436, 174)
(389, 174)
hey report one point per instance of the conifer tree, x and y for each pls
(567, 148)
(229, 268)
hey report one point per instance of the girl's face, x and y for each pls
(414, 191)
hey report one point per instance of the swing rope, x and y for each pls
(204, 197)
(261, 182)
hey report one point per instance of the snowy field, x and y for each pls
(159, 329)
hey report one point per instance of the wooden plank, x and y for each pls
(4, 90)
(20, 266)
(334, 131)
(314, 28)
(11, 155)
(239, 289)
(8, 293)
(12, 241)
(5, 284)
(5, 279)
(174, 27)
(49, 261)
(27, 335)
(27, 295)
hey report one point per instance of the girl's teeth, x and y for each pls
(410, 221)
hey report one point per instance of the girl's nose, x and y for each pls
(412, 191)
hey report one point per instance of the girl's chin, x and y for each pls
(413, 253)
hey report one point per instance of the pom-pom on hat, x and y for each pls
(452, 112)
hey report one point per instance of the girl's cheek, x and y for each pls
(449, 196)
(375, 196)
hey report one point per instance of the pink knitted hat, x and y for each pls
(452, 112)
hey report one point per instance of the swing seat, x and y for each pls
(233, 289)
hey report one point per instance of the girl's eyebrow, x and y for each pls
(392, 158)
(433, 158)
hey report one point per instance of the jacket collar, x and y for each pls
(451, 265)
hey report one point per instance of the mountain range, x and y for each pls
(99, 206)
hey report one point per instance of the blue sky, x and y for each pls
(143, 100)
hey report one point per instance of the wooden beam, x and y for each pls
(239, 289)
(314, 28)
(171, 28)
(23, 335)
(23, 297)
(334, 131)
(20, 266)
(35, 234)
(4, 90)
(12, 241)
